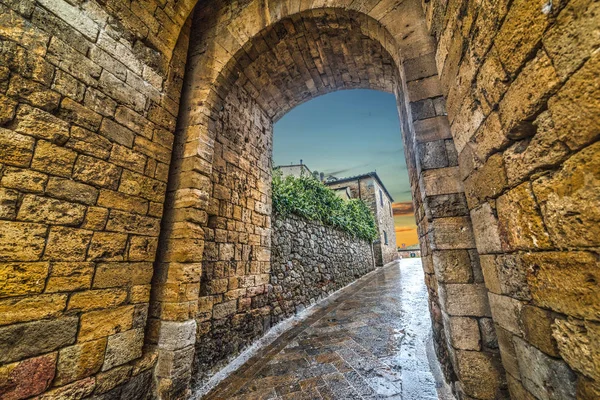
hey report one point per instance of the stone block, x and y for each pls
(15, 149)
(66, 189)
(463, 332)
(88, 142)
(432, 129)
(40, 124)
(485, 230)
(432, 154)
(142, 248)
(451, 233)
(522, 28)
(105, 381)
(575, 108)
(98, 324)
(77, 390)
(506, 312)
(96, 172)
(489, 338)
(139, 185)
(565, 282)
(119, 221)
(422, 109)
(487, 182)
(79, 361)
(27, 378)
(54, 160)
(126, 158)
(480, 373)
(442, 181)
(225, 309)
(123, 347)
(424, 88)
(507, 352)
(575, 19)
(537, 328)
(452, 266)
(576, 342)
(173, 363)
(550, 379)
(34, 93)
(419, 67)
(77, 114)
(122, 201)
(18, 279)
(69, 276)
(520, 222)
(43, 209)
(90, 300)
(490, 273)
(33, 338)
(95, 218)
(458, 299)
(24, 180)
(8, 203)
(568, 200)
(67, 244)
(107, 246)
(23, 309)
(122, 274)
(21, 241)
(66, 85)
(175, 335)
(527, 95)
(517, 390)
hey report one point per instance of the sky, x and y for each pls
(346, 133)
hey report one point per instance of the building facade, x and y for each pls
(297, 170)
(371, 190)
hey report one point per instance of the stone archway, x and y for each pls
(222, 173)
(90, 99)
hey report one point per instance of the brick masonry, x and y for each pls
(104, 145)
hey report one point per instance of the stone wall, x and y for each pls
(309, 261)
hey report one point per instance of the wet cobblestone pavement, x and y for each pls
(367, 342)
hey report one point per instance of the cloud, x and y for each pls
(405, 229)
(345, 170)
(403, 208)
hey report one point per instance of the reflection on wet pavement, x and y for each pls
(368, 342)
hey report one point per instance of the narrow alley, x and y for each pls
(368, 341)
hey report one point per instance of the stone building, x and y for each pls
(296, 170)
(135, 182)
(410, 251)
(369, 188)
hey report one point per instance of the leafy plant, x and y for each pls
(310, 199)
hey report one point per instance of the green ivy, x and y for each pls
(309, 198)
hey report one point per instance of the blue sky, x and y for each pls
(346, 133)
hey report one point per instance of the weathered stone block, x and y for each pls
(79, 361)
(480, 373)
(432, 129)
(527, 95)
(15, 149)
(40, 124)
(568, 200)
(77, 114)
(119, 221)
(43, 209)
(442, 181)
(566, 282)
(459, 299)
(90, 300)
(21, 241)
(451, 233)
(96, 172)
(550, 379)
(577, 344)
(486, 182)
(485, 229)
(24, 180)
(98, 324)
(537, 328)
(22, 278)
(122, 201)
(447, 205)
(107, 246)
(31, 92)
(463, 332)
(520, 221)
(121, 274)
(70, 276)
(30, 339)
(433, 154)
(452, 266)
(175, 335)
(423, 88)
(506, 312)
(123, 347)
(27, 378)
(487, 330)
(67, 244)
(8, 203)
(22, 309)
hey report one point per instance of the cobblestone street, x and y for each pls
(369, 341)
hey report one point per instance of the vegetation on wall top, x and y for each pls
(311, 199)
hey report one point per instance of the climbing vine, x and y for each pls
(309, 198)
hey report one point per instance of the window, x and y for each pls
(385, 237)
(381, 197)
